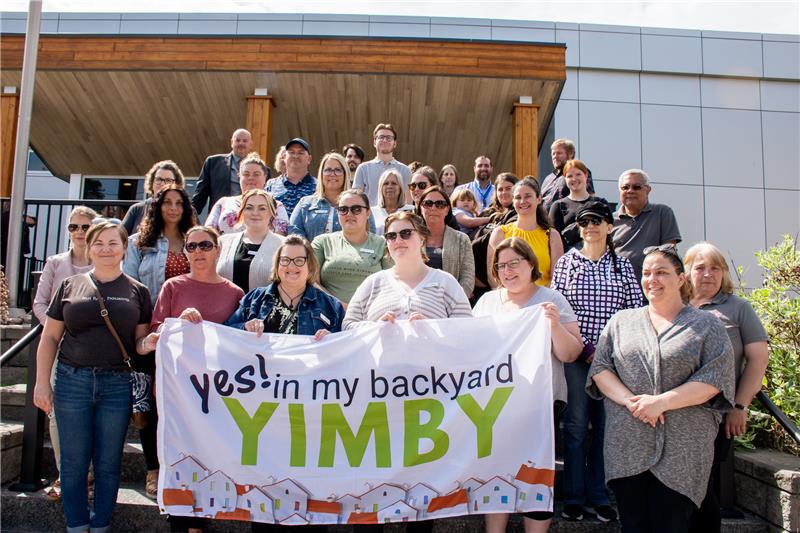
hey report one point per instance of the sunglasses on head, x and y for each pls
(668, 248)
(72, 228)
(629, 187)
(421, 185)
(585, 221)
(404, 234)
(204, 246)
(439, 204)
(355, 209)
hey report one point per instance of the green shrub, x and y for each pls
(777, 302)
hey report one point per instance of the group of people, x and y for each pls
(654, 358)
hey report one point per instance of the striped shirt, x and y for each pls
(437, 296)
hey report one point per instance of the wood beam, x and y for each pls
(259, 124)
(525, 139)
(9, 115)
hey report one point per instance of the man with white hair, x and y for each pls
(638, 223)
(554, 185)
(220, 173)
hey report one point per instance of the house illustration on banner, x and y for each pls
(185, 473)
(381, 496)
(535, 488)
(349, 504)
(294, 519)
(470, 485)
(363, 518)
(289, 498)
(497, 494)
(419, 497)
(215, 493)
(455, 503)
(257, 503)
(323, 511)
(177, 501)
(398, 511)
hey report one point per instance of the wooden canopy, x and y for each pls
(114, 105)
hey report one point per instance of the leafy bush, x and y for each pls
(777, 302)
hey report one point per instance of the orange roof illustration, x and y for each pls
(177, 497)
(448, 500)
(241, 489)
(236, 514)
(320, 506)
(536, 476)
(363, 518)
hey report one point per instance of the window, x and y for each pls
(194, 477)
(375, 508)
(227, 486)
(227, 503)
(178, 476)
(485, 499)
(277, 504)
(249, 503)
(263, 509)
(539, 497)
(385, 493)
(296, 506)
(522, 496)
(497, 488)
(397, 511)
(504, 500)
(425, 499)
(211, 502)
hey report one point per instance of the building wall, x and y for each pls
(713, 117)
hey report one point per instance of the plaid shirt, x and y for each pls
(596, 290)
(288, 193)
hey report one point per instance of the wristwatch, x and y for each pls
(739, 406)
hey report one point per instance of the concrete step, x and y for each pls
(135, 512)
(10, 450)
(134, 469)
(12, 375)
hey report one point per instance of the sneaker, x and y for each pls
(572, 512)
(604, 513)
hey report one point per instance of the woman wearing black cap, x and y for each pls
(597, 283)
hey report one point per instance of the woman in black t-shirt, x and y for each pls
(92, 397)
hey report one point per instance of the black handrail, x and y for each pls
(787, 423)
(9, 354)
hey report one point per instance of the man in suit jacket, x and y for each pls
(220, 174)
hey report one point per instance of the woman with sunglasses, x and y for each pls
(348, 256)
(161, 175)
(293, 303)
(155, 254)
(316, 214)
(253, 174)
(246, 256)
(532, 225)
(58, 268)
(409, 290)
(563, 213)
(446, 248)
(516, 269)
(391, 199)
(597, 284)
(417, 184)
(666, 375)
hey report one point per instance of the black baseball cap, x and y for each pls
(301, 142)
(597, 209)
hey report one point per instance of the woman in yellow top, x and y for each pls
(532, 226)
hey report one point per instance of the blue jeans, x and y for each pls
(93, 407)
(584, 472)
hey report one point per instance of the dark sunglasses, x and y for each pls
(634, 187)
(72, 228)
(355, 209)
(404, 234)
(585, 221)
(440, 204)
(298, 261)
(205, 246)
(421, 185)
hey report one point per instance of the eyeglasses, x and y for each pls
(162, 181)
(634, 187)
(404, 234)
(440, 204)
(385, 137)
(72, 228)
(668, 248)
(204, 246)
(298, 261)
(585, 221)
(333, 171)
(355, 209)
(421, 185)
(513, 264)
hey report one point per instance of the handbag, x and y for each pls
(142, 384)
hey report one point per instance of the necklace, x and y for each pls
(291, 303)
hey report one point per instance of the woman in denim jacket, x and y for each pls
(293, 303)
(154, 255)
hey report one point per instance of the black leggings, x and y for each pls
(648, 506)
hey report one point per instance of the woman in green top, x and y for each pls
(347, 257)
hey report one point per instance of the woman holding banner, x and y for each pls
(666, 373)
(515, 268)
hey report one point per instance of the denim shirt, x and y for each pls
(317, 309)
(310, 218)
(148, 266)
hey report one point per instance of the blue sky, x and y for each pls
(749, 16)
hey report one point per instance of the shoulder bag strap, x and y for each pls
(109, 325)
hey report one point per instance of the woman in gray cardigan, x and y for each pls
(666, 374)
(447, 248)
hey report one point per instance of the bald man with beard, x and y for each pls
(220, 173)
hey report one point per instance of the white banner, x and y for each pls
(388, 423)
